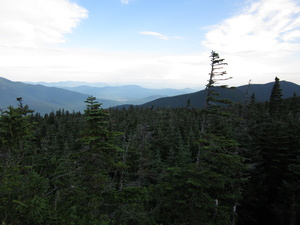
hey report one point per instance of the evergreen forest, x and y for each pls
(222, 164)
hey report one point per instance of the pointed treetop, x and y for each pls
(276, 96)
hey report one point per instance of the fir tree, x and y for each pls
(218, 154)
(276, 97)
(216, 74)
(98, 162)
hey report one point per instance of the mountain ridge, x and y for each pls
(40, 98)
(44, 99)
(123, 92)
(240, 94)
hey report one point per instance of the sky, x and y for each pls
(151, 43)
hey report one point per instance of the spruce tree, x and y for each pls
(276, 97)
(218, 156)
(98, 163)
(97, 136)
(16, 132)
(22, 189)
(216, 74)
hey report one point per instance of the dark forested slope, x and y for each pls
(239, 94)
(143, 166)
(263, 91)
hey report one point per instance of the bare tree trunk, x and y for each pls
(234, 214)
(144, 136)
(216, 208)
(198, 155)
(293, 210)
(124, 160)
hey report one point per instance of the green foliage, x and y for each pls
(214, 77)
(276, 97)
(15, 127)
(151, 166)
(101, 155)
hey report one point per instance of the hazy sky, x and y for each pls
(153, 43)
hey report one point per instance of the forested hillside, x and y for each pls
(220, 165)
(141, 166)
(241, 94)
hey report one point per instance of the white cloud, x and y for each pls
(261, 42)
(61, 64)
(37, 22)
(160, 36)
(255, 43)
(126, 2)
(151, 33)
(269, 27)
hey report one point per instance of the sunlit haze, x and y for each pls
(151, 43)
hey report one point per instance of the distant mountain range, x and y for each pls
(68, 96)
(44, 99)
(63, 84)
(40, 98)
(127, 94)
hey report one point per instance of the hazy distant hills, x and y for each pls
(63, 84)
(46, 99)
(240, 94)
(120, 95)
(40, 98)
(127, 94)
